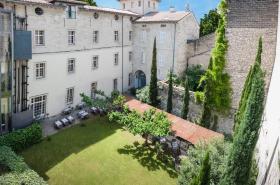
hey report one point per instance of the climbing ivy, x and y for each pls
(216, 80)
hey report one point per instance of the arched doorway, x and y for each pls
(140, 79)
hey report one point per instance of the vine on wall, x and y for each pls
(217, 88)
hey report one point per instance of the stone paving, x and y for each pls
(48, 123)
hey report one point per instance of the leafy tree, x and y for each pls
(247, 88)
(239, 162)
(209, 23)
(153, 92)
(90, 2)
(185, 109)
(150, 123)
(192, 163)
(119, 101)
(170, 94)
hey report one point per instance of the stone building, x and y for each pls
(64, 47)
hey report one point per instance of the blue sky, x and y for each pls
(199, 7)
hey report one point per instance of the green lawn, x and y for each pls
(99, 153)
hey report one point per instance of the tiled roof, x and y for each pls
(182, 128)
(31, 1)
(110, 10)
(84, 6)
(163, 17)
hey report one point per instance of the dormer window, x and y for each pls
(71, 12)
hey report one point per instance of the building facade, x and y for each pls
(74, 48)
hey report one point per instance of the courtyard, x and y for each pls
(98, 152)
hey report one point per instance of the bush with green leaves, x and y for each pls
(21, 139)
(104, 103)
(194, 73)
(143, 95)
(19, 172)
(192, 163)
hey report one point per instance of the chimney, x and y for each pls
(172, 9)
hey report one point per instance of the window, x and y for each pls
(130, 35)
(38, 105)
(116, 59)
(139, 3)
(123, 5)
(93, 90)
(144, 36)
(39, 11)
(130, 55)
(39, 38)
(162, 37)
(95, 62)
(115, 87)
(154, 6)
(71, 12)
(130, 78)
(95, 36)
(149, 4)
(40, 70)
(71, 37)
(116, 36)
(71, 65)
(70, 96)
(161, 61)
(132, 4)
(143, 57)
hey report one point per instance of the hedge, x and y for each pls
(20, 172)
(23, 138)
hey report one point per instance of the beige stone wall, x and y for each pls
(225, 122)
(247, 21)
(199, 51)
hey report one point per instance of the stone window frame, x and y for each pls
(39, 37)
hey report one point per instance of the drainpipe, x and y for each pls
(12, 65)
(122, 53)
(174, 49)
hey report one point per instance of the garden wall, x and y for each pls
(199, 51)
(225, 123)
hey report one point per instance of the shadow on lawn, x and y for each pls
(51, 151)
(149, 158)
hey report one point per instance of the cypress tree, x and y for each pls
(208, 89)
(204, 174)
(170, 93)
(185, 109)
(153, 91)
(240, 158)
(247, 88)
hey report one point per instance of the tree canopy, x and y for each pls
(209, 23)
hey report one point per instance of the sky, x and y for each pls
(199, 7)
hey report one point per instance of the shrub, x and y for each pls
(192, 163)
(143, 95)
(194, 73)
(20, 172)
(23, 138)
